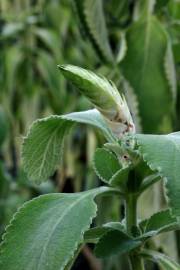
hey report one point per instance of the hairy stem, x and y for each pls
(136, 262)
(131, 212)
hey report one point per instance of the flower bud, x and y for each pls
(104, 96)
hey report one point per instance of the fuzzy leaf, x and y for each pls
(104, 96)
(120, 177)
(162, 260)
(143, 67)
(115, 242)
(105, 164)
(43, 146)
(45, 232)
(162, 154)
(115, 225)
(92, 19)
(160, 222)
(94, 234)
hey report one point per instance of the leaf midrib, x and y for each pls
(55, 226)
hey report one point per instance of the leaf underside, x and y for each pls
(43, 147)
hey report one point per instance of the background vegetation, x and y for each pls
(136, 44)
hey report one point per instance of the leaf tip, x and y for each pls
(62, 67)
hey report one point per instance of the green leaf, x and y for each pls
(133, 103)
(71, 262)
(115, 242)
(120, 178)
(104, 95)
(115, 225)
(50, 39)
(109, 169)
(170, 70)
(162, 260)
(143, 67)
(160, 222)
(43, 146)
(46, 231)
(46, 66)
(12, 29)
(105, 164)
(94, 234)
(13, 59)
(92, 19)
(148, 181)
(162, 154)
(174, 10)
(144, 8)
(3, 126)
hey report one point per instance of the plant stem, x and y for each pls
(136, 262)
(131, 212)
(131, 222)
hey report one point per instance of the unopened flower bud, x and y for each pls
(104, 96)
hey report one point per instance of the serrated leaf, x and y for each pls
(105, 164)
(143, 68)
(162, 154)
(92, 19)
(120, 177)
(170, 70)
(94, 234)
(104, 96)
(115, 242)
(71, 262)
(162, 260)
(160, 222)
(115, 225)
(45, 232)
(132, 100)
(43, 146)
